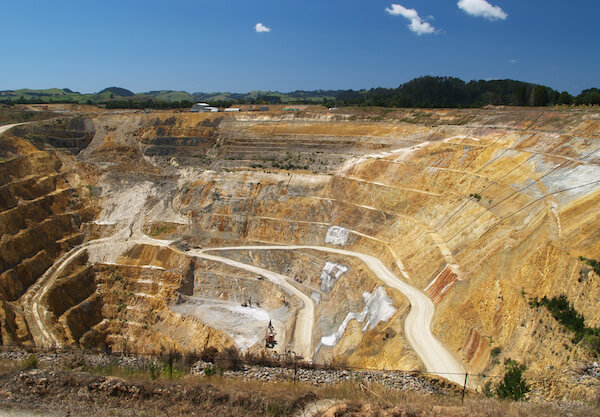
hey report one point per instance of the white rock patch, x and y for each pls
(330, 274)
(337, 235)
(245, 325)
(378, 308)
(574, 180)
(122, 206)
(316, 297)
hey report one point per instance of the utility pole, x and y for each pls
(465, 388)
(295, 368)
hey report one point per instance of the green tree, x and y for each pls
(565, 99)
(520, 95)
(540, 96)
(513, 386)
(589, 96)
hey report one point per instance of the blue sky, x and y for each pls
(213, 45)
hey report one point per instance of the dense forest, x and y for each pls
(454, 92)
(425, 91)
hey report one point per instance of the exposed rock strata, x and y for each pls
(481, 209)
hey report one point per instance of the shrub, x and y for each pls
(564, 312)
(487, 389)
(513, 386)
(495, 351)
(154, 370)
(31, 362)
(210, 370)
(170, 357)
(229, 359)
(189, 359)
(591, 262)
(209, 354)
(475, 196)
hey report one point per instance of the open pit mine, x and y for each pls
(385, 239)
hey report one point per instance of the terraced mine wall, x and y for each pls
(482, 210)
(41, 212)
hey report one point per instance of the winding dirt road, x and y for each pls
(8, 127)
(40, 323)
(417, 326)
(35, 312)
(306, 316)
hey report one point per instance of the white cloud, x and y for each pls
(260, 28)
(417, 24)
(512, 61)
(481, 8)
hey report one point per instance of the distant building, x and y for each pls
(264, 108)
(232, 109)
(199, 108)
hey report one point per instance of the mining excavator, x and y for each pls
(270, 341)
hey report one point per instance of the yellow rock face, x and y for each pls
(480, 209)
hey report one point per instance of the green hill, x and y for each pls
(448, 92)
(118, 91)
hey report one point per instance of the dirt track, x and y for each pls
(8, 127)
(306, 316)
(436, 358)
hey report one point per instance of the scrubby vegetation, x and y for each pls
(513, 386)
(564, 312)
(31, 362)
(160, 229)
(123, 389)
(591, 262)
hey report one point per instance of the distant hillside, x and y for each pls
(422, 92)
(122, 92)
(171, 96)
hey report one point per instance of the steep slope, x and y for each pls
(478, 210)
(42, 206)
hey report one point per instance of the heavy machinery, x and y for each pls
(270, 341)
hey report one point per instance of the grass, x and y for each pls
(9, 366)
(285, 398)
(157, 230)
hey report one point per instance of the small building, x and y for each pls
(232, 109)
(199, 108)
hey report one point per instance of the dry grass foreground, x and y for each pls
(115, 391)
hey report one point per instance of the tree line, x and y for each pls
(422, 92)
(451, 92)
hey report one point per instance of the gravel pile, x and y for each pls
(593, 370)
(393, 380)
(78, 359)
